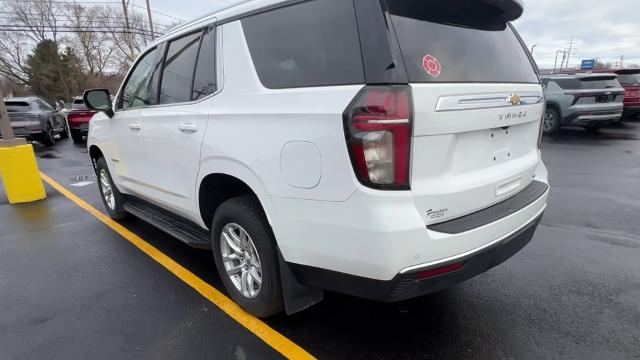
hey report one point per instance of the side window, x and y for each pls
(43, 106)
(179, 67)
(314, 43)
(140, 89)
(204, 82)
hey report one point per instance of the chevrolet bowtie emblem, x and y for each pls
(514, 99)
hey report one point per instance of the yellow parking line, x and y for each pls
(270, 336)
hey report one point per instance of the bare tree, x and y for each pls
(39, 18)
(14, 49)
(100, 57)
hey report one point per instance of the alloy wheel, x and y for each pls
(107, 190)
(549, 121)
(241, 260)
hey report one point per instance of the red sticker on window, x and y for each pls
(431, 65)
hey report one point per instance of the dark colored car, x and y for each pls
(78, 119)
(33, 118)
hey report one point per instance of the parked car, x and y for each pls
(373, 160)
(34, 118)
(588, 100)
(630, 81)
(78, 119)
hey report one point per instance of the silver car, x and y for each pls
(35, 119)
(587, 100)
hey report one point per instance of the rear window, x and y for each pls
(587, 83)
(314, 43)
(629, 79)
(458, 41)
(78, 104)
(17, 106)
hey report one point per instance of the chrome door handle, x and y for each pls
(187, 127)
(135, 126)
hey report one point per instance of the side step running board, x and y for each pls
(183, 229)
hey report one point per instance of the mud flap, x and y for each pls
(297, 297)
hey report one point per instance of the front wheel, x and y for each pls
(48, 137)
(64, 134)
(244, 250)
(111, 197)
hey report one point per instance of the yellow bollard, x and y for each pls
(20, 174)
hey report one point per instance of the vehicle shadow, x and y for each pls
(623, 131)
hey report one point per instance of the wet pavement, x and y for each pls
(70, 287)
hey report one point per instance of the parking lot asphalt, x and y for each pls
(71, 287)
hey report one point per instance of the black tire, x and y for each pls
(593, 127)
(64, 134)
(551, 121)
(76, 136)
(48, 137)
(116, 212)
(246, 212)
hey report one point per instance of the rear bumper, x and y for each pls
(593, 116)
(80, 128)
(406, 284)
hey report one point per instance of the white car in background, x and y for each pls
(312, 147)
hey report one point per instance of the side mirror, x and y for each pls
(98, 100)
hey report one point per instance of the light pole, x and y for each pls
(555, 63)
(533, 47)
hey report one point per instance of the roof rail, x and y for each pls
(202, 18)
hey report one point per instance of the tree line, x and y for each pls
(56, 49)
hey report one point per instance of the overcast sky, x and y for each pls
(606, 29)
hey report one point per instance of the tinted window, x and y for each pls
(204, 82)
(629, 79)
(43, 105)
(140, 89)
(179, 66)
(314, 43)
(78, 104)
(17, 106)
(587, 83)
(458, 41)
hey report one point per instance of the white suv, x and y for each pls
(384, 149)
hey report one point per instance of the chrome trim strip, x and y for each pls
(394, 121)
(474, 251)
(485, 101)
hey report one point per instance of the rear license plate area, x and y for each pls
(500, 145)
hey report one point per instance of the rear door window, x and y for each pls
(458, 41)
(179, 67)
(204, 82)
(314, 43)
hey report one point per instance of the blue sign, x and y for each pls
(588, 64)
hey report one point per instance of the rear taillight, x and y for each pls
(378, 130)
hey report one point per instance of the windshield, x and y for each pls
(629, 79)
(458, 41)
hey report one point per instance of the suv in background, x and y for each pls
(78, 119)
(588, 100)
(375, 160)
(35, 119)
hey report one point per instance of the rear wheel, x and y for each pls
(76, 136)
(551, 121)
(246, 258)
(111, 197)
